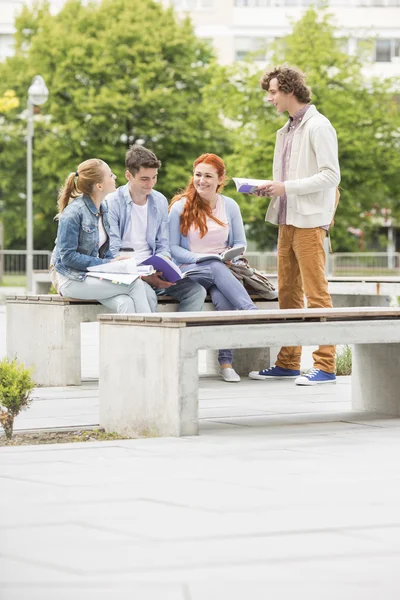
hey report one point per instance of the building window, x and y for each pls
(248, 45)
(192, 4)
(387, 50)
(257, 3)
(339, 3)
(6, 45)
(263, 3)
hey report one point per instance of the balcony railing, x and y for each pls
(340, 263)
(13, 262)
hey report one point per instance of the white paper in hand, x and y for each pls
(127, 266)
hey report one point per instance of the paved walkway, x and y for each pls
(286, 494)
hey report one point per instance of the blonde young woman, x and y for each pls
(83, 241)
(203, 221)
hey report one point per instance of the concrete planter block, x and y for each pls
(47, 337)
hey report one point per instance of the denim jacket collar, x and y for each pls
(92, 207)
(128, 199)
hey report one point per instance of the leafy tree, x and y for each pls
(8, 101)
(118, 72)
(364, 113)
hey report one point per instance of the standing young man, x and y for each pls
(138, 217)
(305, 176)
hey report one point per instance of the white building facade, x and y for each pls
(8, 11)
(237, 27)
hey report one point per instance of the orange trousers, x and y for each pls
(301, 272)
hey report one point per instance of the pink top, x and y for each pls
(216, 239)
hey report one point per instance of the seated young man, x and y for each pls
(138, 217)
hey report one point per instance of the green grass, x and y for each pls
(13, 281)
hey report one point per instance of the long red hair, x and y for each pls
(196, 210)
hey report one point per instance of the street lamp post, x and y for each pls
(37, 94)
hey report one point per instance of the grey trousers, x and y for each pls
(227, 293)
(118, 297)
(188, 293)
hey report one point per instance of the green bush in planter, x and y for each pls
(16, 385)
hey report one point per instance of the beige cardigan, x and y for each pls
(313, 173)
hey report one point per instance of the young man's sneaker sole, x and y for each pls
(274, 373)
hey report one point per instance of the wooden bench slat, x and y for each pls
(46, 298)
(252, 316)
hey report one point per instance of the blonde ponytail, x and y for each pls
(80, 182)
(69, 191)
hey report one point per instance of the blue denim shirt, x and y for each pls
(119, 205)
(180, 243)
(77, 244)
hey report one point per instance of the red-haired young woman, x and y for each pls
(203, 221)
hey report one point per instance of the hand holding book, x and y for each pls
(250, 186)
(119, 271)
(228, 255)
(169, 270)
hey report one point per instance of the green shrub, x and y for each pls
(343, 360)
(16, 385)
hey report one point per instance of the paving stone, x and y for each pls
(285, 493)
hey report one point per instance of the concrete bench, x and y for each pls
(41, 282)
(363, 291)
(137, 398)
(44, 332)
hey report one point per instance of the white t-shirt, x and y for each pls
(135, 236)
(102, 233)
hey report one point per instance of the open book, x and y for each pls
(248, 186)
(119, 266)
(120, 271)
(170, 271)
(229, 254)
(126, 278)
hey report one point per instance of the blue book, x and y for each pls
(169, 270)
(248, 186)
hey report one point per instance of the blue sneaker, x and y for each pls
(274, 373)
(315, 377)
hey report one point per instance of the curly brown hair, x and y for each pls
(290, 79)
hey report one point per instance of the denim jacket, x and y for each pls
(77, 244)
(119, 205)
(180, 243)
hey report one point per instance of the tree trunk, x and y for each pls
(7, 422)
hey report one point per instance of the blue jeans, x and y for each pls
(118, 297)
(188, 293)
(227, 293)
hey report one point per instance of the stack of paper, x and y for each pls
(119, 271)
